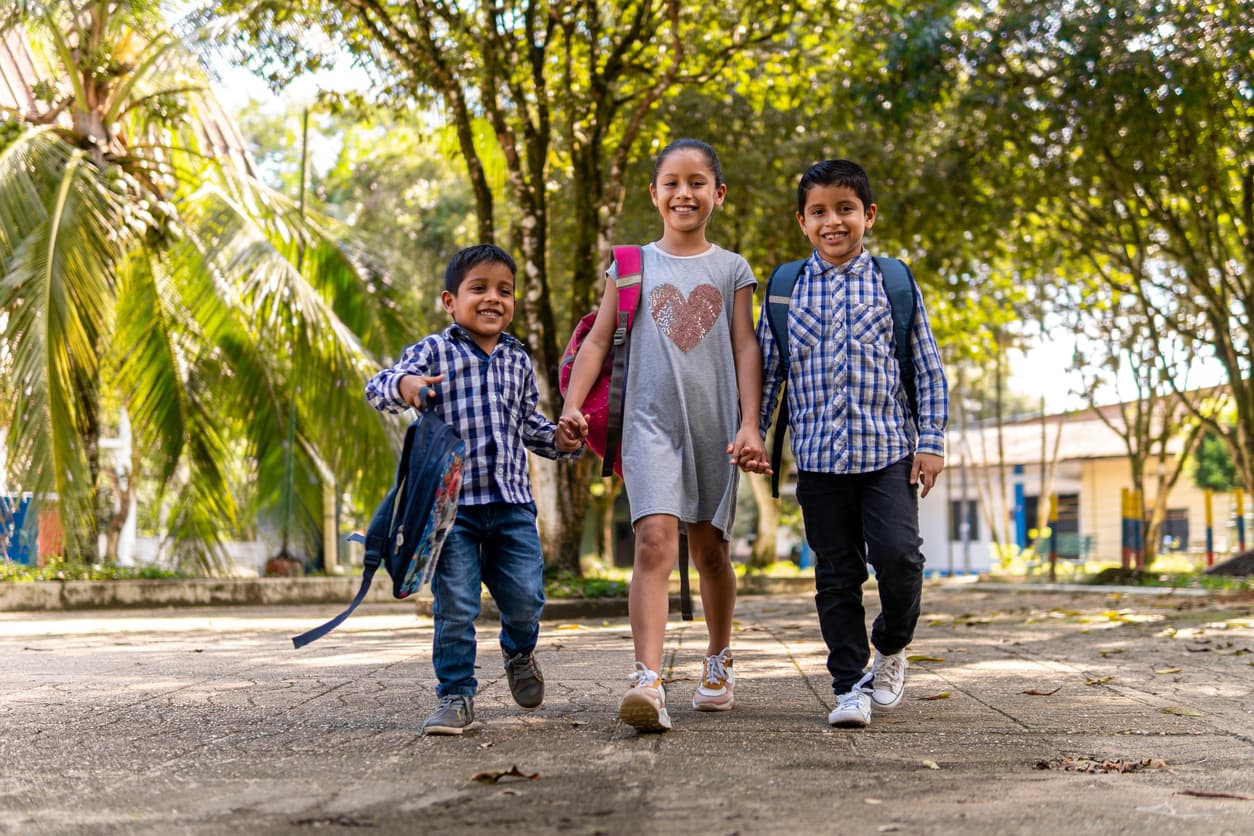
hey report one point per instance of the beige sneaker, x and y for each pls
(718, 682)
(643, 707)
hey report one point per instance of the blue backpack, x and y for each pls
(412, 522)
(898, 284)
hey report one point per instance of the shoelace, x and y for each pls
(850, 700)
(642, 677)
(716, 669)
(890, 666)
(454, 700)
(523, 666)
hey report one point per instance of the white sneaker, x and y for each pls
(643, 707)
(888, 680)
(718, 684)
(853, 710)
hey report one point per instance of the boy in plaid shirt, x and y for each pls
(863, 458)
(487, 392)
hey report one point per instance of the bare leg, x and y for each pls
(648, 600)
(711, 554)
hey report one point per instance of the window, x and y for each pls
(955, 520)
(1175, 531)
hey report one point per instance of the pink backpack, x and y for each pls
(604, 405)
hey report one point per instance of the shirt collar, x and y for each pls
(457, 333)
(856, 265)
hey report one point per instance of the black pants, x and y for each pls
(851, 520)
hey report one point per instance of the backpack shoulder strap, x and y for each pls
(628, 261)
(778, 296)
(899, 285)
(629, 270)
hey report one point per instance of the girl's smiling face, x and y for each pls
(686, 191)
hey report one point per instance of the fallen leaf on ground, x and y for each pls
(1112, 651)
(943, 695)
(1168, 670)
(924, 659)
(1182, 712)
(930, 764)
(1034, 693)
(1205, 794)
(1097, 680)
(570, 627)
(872, 801)
(1072, 763)
(496, 776)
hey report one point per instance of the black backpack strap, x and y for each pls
(629, 272)
(685, 588)
(778, 297)
(899, 286)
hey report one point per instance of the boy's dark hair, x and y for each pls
(835, 173)
(711, 157)
(461, 262)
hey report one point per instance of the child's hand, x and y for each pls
(416, 390)
(927, 466)
(566, 439)
(748, 452)
(574, 422)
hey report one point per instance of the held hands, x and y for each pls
(416, 390)
(927, 466)
(748, 452)
(574, 424)
(569, 437)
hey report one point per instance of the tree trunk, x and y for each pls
(764, 544)
(561, 491)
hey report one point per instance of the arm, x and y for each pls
(772, 371)
(747, 449)
(933, 400)
(596, 346)
(408, 382)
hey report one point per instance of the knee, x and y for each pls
(656, 548)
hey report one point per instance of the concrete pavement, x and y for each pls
(1036, 712)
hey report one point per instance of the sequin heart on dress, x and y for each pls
(686, 321)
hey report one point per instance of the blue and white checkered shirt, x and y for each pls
(489, 399)
(847, 411)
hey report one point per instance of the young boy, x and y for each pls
(488, 394)
(861, 456)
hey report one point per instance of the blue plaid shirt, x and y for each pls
(489, 399)
(847, 411)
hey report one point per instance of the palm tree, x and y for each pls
(141, 273)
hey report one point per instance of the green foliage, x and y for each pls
(1213, 467)
(69, 570)
(566, 585)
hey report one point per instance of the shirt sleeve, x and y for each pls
(538, 432)
(382, 390)
(771, 376)
(930, 384)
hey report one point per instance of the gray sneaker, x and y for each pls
(454, 715)
(526, 683)
(888, 680)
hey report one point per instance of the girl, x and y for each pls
(692, 347)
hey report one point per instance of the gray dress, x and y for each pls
(682, 406)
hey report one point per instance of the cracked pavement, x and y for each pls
(206, 721)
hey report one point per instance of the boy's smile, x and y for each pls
(835, 221)
(484, 303)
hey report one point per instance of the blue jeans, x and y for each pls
(851, 520)
(496, 545)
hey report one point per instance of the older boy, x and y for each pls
(860, 452)
(489, 396)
